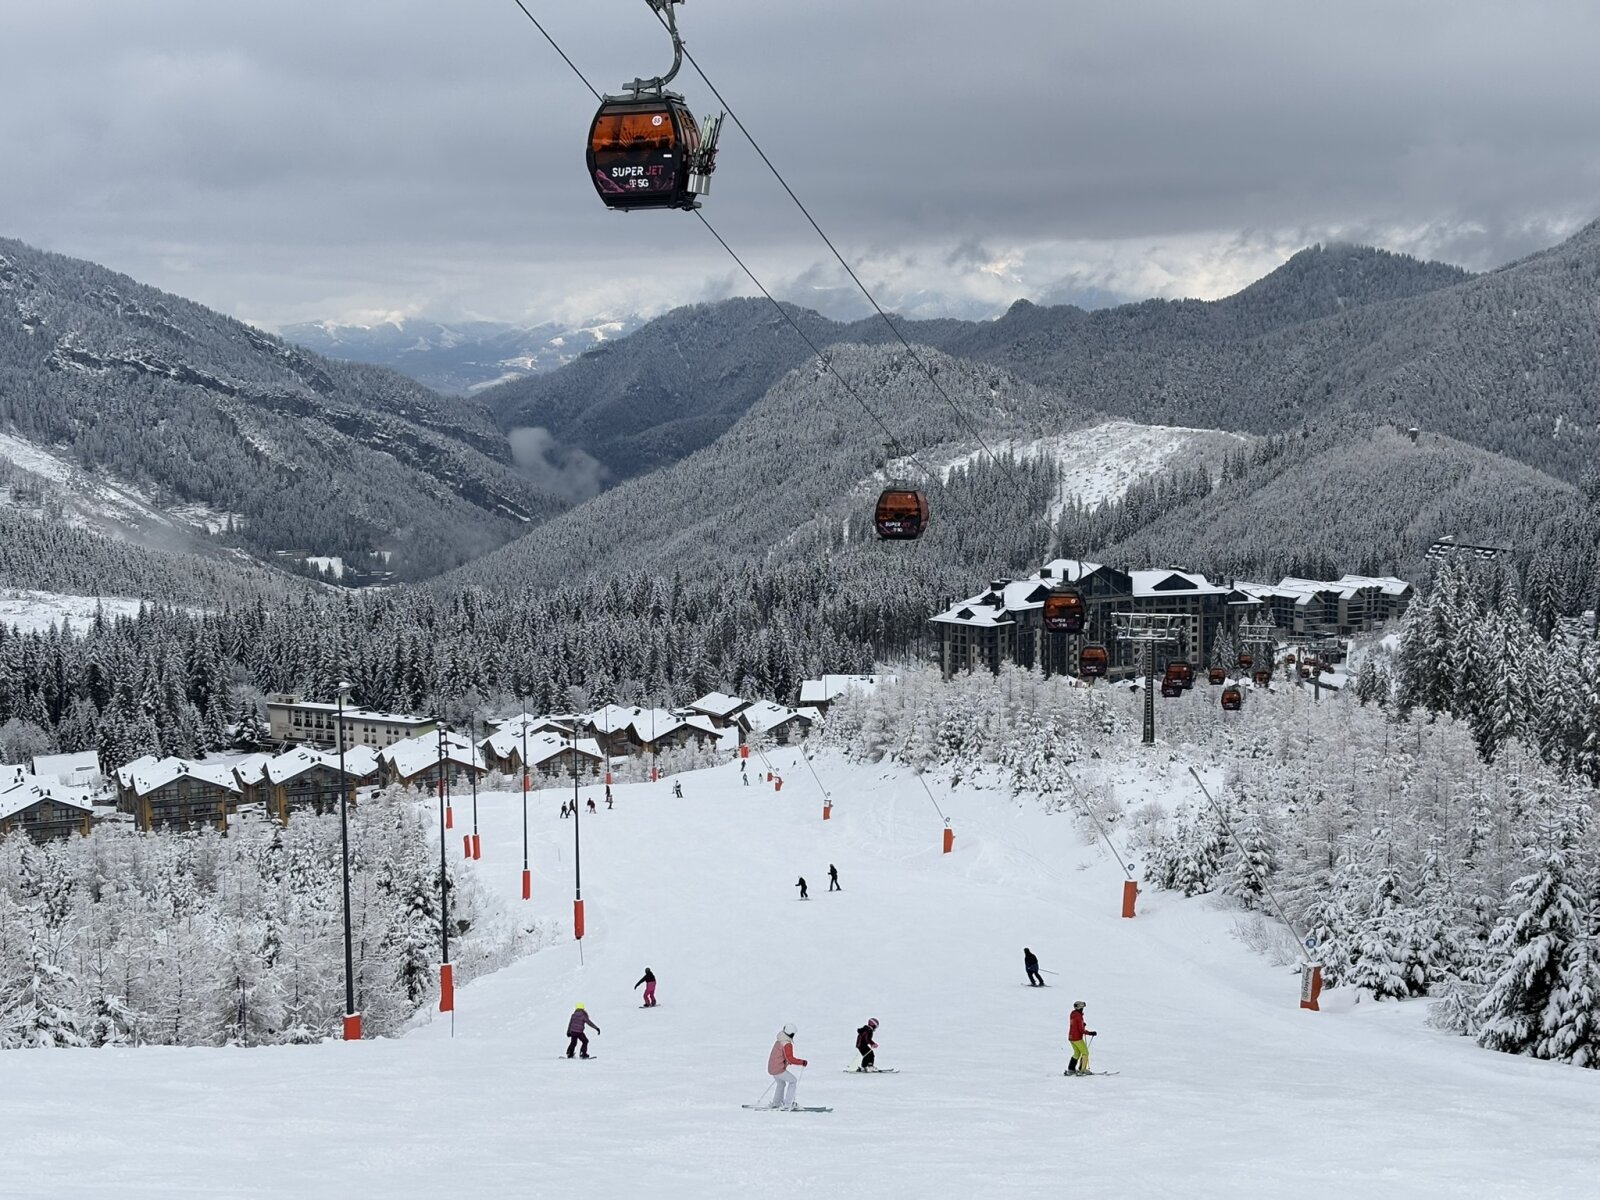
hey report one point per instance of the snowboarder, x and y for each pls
(591, 804)
(1076, 1034)
(779, 1061)
(833, 879)
(1030, 964)
(802, 886)
(677, 790)
(649, 981)
(575, 1033)
(865, 1045)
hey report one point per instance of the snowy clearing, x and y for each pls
(34, 612)
(1226, 1088)
(1100, 463)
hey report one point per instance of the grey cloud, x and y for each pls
(570, 473)
(292, 160)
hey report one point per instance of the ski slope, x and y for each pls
(1226, 1089)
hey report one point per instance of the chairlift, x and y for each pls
(645, 149)
(1063, 611)
(901, 513)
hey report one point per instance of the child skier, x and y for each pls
(865, 1045)
(649, 981)
(575, 1033)
(1076, 1034)
(781, 1058)
(1030, 964)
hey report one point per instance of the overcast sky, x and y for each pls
(355, 159)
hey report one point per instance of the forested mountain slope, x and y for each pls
(678, 382)
(193, 408)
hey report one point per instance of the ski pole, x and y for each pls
(1047, 971)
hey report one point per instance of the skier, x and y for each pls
(677, 790)
(1076, 1034)
(865, 1045)
(1030, 964)
(608, 795)
(591, 804)
(742, 774)
(575, 1033)
(563, 810)
(833, 879)
(802, 886)
(779, 1061)
(649, 981)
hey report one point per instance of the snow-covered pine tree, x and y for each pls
(1526, 998)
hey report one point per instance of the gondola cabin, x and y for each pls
(1263, 678)
(901, 513)
(1246, 660)
(1232, 699)
(1216, 675)
(1171, 688)
(1063, 612)
(1093, 662)
(640, 152)
(1305, 671)
(1179, 673)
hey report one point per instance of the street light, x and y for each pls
(352, 1019)
(527, 878)
(577, 845)
(447, 983)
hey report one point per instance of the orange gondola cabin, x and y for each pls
(1216, 675)
(640, 151)
(1232, 699)
(1246, 660)
(901, 513)
(1063, 612)
(1093, 662)
(1180, 674)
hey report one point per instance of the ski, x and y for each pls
(872, 1070)
(1079, 1074)
(578, 1057)
(769, 1108)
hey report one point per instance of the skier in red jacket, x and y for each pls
(1076, 1034)
(781, 1058)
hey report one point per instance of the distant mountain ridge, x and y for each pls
(302, 455)
(459, 358)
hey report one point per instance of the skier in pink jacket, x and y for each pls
(779, 1061)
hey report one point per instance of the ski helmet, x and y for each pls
(872, 1022)
(1079, 1004)
(788, 1031)
(580, 1006)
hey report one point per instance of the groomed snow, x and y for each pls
(1226, 1088)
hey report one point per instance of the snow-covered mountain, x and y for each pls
(460, 357)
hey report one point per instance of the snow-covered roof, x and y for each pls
(1067, 570)
(1387, 584)
(69, 768)
(296, 762)
(252, 768)
(353, 714)
(718, 704)
(1161, 583)
(21, 790)
(649, 724)
(542, 747)
(359, 761)
(764, 715)
(704, 724)
(158, 773)
(831, 687)
(415, 755)
(125, 773)
(533, 724)
(610, 719)
(976, 612)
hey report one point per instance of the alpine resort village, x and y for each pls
(569, 631)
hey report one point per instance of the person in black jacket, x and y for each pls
(833, 879)
(865, 1046)
(1030, 964)
(802, 886)
(649, 981)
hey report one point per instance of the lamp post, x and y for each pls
(352, 1019)
(474, 847)
(447, 987)
(577, 846)
(527, 879)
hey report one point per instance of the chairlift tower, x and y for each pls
(1148, 630)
